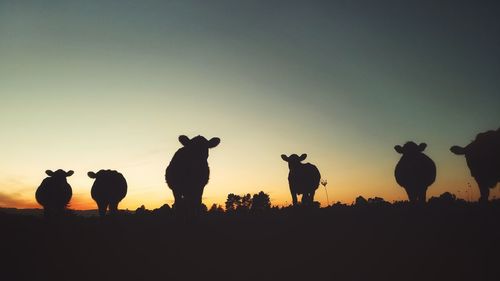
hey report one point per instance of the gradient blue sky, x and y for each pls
(86, 85)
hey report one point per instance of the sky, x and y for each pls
(89, 85)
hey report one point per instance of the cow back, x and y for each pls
(416, 170)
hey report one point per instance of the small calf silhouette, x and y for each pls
(303, 178)
(109, 188)
(415, 171)
(54, 193)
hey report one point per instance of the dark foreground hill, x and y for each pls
(39, 212)
(344, 243)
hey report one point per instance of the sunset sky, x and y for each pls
(89, 85)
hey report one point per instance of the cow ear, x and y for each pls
(284, 157)
(398, 149)
(458, 150)
(49, 173)
(184, 140)
(92, 175)
(422, 146)
(213, 142)
(69, 173)
(302, 157)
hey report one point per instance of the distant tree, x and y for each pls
(203, 208)
(244, 203)
(163, 210)
(276, 208)
(446, 198)
(261, 202)
(316, 205)
(377, 201)
(339, 204)
(142, 210)
(216, 209)
(232, 202)
(361, 201)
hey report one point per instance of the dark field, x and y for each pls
(336, 243)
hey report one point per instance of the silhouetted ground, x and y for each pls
(395, 242)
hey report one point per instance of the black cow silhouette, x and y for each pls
(109, 188)
(188, 173)
(303, 178)
(415, 171)
(483, 159)
(54, 193)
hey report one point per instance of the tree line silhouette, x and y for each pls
(260, 203)
(188, 173)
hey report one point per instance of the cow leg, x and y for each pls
(177, 195)
(411, 194)
(484, 189)
(311, 196)
(422, 196)
(177, 200)
(294, 198)
(113, 208)
(186, 208)
(102, 208)
(61, 211)
(305, 199)
(197, 197)
(198, 201)
(48, 212)
(194, 204)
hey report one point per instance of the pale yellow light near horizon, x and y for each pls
(233, 171)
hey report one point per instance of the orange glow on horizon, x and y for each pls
(82, 201)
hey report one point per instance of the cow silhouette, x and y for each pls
(188, 173)
(415, 171)
(109, 188)
(54, 193)
(483, 159)
(303, 178)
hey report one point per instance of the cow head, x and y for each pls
(293, 160)
(59, 174)
(410, 148)
(199, 145)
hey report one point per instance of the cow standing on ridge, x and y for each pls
(109, 188)
(483, 159)
(415, 171)
(188, 173)
(303, 178)
(54, 193)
